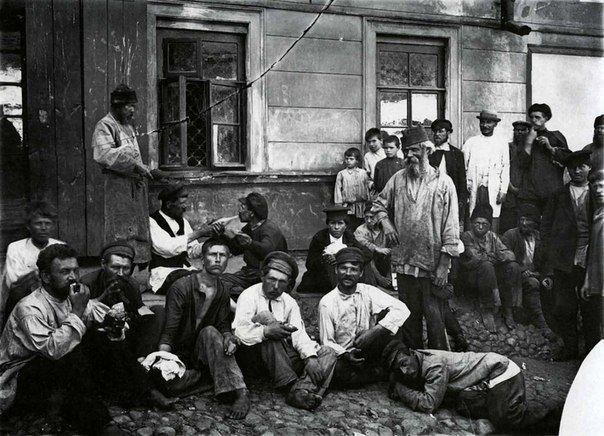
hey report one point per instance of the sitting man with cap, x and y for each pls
(268, 321)
(113, 283)
(525, 243)
(259, 237)
(173, 240)
(357, 320)
(482, 385)
(320, 276)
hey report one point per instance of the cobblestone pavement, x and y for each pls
(363, 411)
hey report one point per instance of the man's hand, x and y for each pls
(144, 171)
(389, 233)
(442, 271)
(528, 273)
(545, 143)
(243, 239)
(277, 330)
(230, 343)
(547, 283)
(353, 356)
(217, 228)
(314, 370)
(329, 259)
(79, 300)
(365, 338)
(383, 251)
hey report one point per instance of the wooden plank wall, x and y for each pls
(78, 51)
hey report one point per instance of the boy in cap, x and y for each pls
(565, 234)
(320, 262)
(269, 322)
(357, 320)
(173, 240)
(487, 165)
(259, 237)
(490, 268)
(125, 204)
(542, 159)
(423, 237)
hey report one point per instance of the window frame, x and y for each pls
(20, 29)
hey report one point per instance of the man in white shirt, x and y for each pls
(20, 271)
(173, 240)
(268, 320)
(357, 321)
(487, 161)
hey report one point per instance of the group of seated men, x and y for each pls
(83, 339)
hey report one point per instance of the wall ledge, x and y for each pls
(196, 178)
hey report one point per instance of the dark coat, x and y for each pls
(266, 238)
(559, 230)
(456, 169)
(97, 282)
(514, 240)
(317, 279)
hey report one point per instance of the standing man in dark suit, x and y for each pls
(565, 235)
(449, 160)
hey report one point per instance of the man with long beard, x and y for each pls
(424, 236)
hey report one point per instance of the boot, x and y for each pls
(488, 319)
(508, 317)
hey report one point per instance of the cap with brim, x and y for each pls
(529, 211)
(577, 158)
(121, 248)
(123, 94)
(441, 123)
(349, 254)
(482, 211)
(521, 123)
(336, 212)
(488, 115)
(599, 120)
(413, 135)
(282, 262)
(391, 351)
(171, 191)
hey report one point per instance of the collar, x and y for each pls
(258, 224)
(444, 146)
(332, 239)
(166, 217)
(278, 299)
(344, 296)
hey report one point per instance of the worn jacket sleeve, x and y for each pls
(175, 305)
(472, 255)
(450, 222)
(265, 244)
(431, 397)
(315, 254)
(363, 237)
(502, 252)
(561, 150)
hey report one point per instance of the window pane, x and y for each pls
(393, 68)
(197, 134)
(393, 109)
(424, 109)
(219, 60)
(226, 145)
(171, 135)
(398, 131)
(227, 111)
(10, 100)
(182, 57)
(422, 69)
(10, 67)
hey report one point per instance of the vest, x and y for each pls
(178, 261)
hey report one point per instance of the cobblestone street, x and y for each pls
(364, 411)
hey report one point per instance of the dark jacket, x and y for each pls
(316, 278)
(456, 169)
(182, 324)
(514, 240)
(266, 238)
(384, 170)
(98, 281)
(559, 230)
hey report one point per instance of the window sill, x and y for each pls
(239, 177)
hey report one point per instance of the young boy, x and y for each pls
(373, 139)
(372, 237)
(387, 167)
(352, 187)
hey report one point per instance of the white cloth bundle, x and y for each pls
(167, 363)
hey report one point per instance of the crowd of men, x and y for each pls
(83, 340)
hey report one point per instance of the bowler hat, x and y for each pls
(488, 115)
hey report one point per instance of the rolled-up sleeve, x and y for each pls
(397, 310)
(247, 331)
(327, 331)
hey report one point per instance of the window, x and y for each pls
(11, 90)
(410, 83)
(199, 69)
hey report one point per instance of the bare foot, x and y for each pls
(303, 399)
(241, 405)
(156, 398)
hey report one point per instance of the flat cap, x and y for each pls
(577, 158)
(521, 123)
(488, 115)
(282, 262)
(529, 211)
(120, 247)
(171, 191)
(349, 254)
(441, 123)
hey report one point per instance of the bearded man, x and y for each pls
(424, 236)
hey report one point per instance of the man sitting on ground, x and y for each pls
(371, 236)
(259, 237)
(173, 240)
(268, 321)
(357, 320)
(21, 273)
(197, 327)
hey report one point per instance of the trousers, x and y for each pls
(497, 285)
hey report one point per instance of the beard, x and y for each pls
(417, 167)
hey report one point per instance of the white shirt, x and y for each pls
(21, 258)
(285, 309)
(442, 167)
(529, 245)
(165, 245)
(342, 317)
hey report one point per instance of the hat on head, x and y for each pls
(441, 123)
(171, 192)
(530, 211)
(123, 94)
(577, 158)
(488, 115)
(599, 120)
(121, 247)
(413, 135)
(349, 254)
(336, 212)
(391, 351)
(482, 211)
(541, 107)
(282, 262)
(521, 123)
(257, 204)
